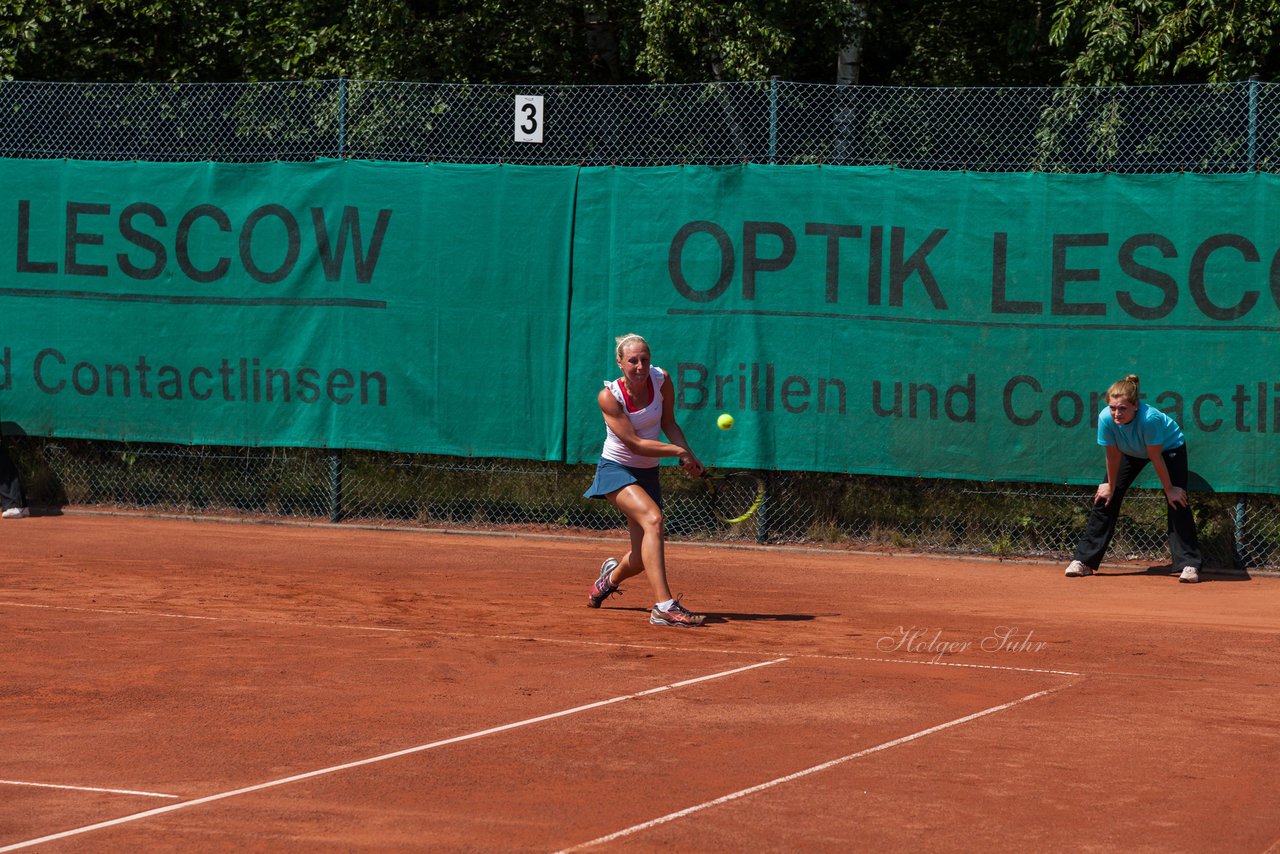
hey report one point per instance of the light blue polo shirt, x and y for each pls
(1149, 426)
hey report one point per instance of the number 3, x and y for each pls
(528, 118)
(530, 126)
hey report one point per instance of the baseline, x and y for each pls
(613, 644)
(85, 789)
(170, 616)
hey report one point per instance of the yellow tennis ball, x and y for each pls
(725, 421)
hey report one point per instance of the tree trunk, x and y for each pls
(849, 64)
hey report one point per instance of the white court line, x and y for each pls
(806, 772)
(85, 789)
(356, 764)
(920, 662)
(188, 616)
(1008, 668)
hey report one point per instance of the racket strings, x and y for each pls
(735, 498)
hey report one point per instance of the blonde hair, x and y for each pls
(629, 338)
(1126, 388)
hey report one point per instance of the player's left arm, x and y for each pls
(672, 430)
(1175, 495)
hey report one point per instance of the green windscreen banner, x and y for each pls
(407, 307)
(869, 320)
(934, 324)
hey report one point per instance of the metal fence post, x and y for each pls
(773, 119)
(335, 485)
(1253, 122)
(342, 117)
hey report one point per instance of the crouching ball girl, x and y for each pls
(638, 408)
(1133, 434)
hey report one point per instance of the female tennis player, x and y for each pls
(1134, 434)
(638, 408)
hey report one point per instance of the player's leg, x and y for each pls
(12, 501)
(1100, 527)
(648, 553)
(1184, 545)
(631, 564)
(616, 570)
(641, 503)
(612, 478)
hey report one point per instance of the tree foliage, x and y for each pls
(742, 39)
(1155, 41)
(116, 40)
(951, 43)
(250, 40)
(900, 42)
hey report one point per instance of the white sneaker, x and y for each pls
(1076, 569)
(16, 513)
(1190, 575)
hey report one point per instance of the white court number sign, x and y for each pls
(529, 118)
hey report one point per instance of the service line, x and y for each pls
(742, 793)
(384, 757)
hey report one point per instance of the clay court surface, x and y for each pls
(175, 685)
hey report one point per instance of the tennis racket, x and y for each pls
(735, 496)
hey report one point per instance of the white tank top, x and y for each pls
(647, 423)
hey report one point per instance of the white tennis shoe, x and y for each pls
(1076, 569)
(16, 513)
(1190, 575)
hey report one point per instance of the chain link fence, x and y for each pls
(801, 508)
(1231, 127)
(1204, 128)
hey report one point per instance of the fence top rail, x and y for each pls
(765, 82)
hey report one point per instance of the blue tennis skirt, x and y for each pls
(612, 476)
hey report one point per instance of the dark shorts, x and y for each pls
(612, 476)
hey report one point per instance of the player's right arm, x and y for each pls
(616, 417)
(1107, 489)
